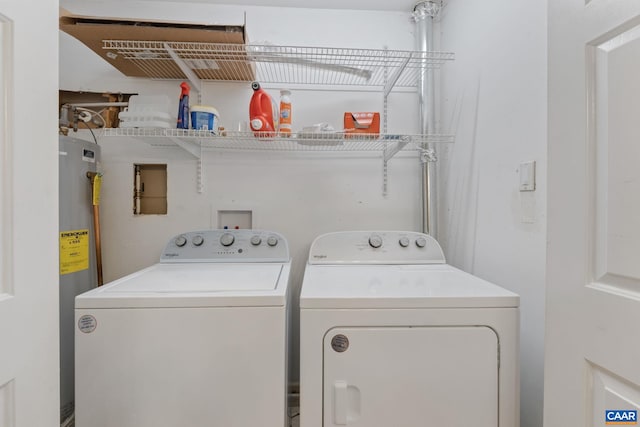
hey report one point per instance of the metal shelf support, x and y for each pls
(399, 146)
(199, 176)
(391, 81)
(195, 149)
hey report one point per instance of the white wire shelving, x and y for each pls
(277, 64)
(389, 145)
(197, 141)
(342, 68)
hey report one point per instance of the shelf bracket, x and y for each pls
(195, 81)
(195, 149)
(396, 75)
(389, 152)
(387, 155)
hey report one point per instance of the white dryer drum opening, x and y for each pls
(411, 376)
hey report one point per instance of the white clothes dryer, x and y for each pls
(199, 339)
(393, 336)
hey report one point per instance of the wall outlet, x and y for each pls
(235, 219)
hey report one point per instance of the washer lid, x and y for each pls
(194, 284)
(399, 286)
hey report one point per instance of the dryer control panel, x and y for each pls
(226, 246)
(376, 247)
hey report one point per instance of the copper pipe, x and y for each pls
(96, 228)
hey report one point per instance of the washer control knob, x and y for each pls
(404, 242)
(375, 241)
(180, 241)
(227, 239)
(256, 240)
(421, 242)
(272, 241)
(197, 240)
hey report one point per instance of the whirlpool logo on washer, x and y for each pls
(87, 324)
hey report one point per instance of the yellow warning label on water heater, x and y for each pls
(74, 251)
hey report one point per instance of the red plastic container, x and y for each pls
(263, 113)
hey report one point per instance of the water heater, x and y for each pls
(77, 255)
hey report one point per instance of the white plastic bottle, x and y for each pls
(285, 113)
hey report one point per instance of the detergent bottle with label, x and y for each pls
(263, 113)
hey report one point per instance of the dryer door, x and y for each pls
(411, 376)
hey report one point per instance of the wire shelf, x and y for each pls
(278, 64)
(306, 142)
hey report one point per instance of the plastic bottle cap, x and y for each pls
(256, 124)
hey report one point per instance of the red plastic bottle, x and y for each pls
(263, 113)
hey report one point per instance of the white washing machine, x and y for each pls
(393, 336)
(199, 339)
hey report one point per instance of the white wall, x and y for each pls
(494, 97)
(300, 195)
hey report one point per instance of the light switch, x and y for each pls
(528, 176)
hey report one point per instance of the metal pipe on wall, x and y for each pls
(424, 13)
(96, 179)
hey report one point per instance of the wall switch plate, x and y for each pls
(528, 176)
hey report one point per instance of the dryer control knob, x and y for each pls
(421, 242)
(256, 240)
(404, 242)
(227, 239)
(197, 240)
(180, 241)
(272, 241)
(375, 241)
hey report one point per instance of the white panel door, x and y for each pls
(593, 263)
(411, 376)
(28, 214)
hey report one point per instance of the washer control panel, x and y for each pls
(376, 247)
(226, 246)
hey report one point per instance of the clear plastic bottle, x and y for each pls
(285, 113)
